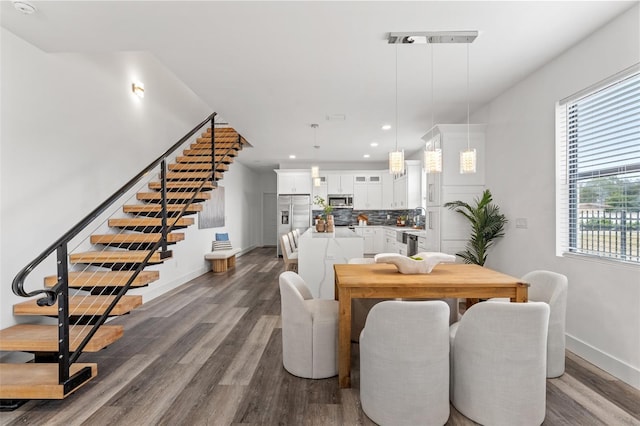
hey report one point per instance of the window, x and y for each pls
(598, 150)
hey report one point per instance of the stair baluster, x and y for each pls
(163, 191)
(62, 289)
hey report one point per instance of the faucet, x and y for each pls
(417, 209)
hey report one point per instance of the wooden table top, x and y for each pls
(455, 274)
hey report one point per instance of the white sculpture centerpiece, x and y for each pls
(420, 263)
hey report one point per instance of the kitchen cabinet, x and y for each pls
(294, 182)
(389, 243)
(407, 192)
(432, 230)
(373, 238)
(367, 192)
(387, 190)
(340, 183)
(448, 231)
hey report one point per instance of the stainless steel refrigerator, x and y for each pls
(294, 212)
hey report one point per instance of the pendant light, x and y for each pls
(432, 155)
(315, 170)
(396, 158)
(468, 156)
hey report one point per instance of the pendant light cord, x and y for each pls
(396, 96)
(432, 95)
(468, 100)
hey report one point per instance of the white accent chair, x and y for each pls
(551, 288)
(404, 363)
(309, 330)
(498, 363)
(290, 258)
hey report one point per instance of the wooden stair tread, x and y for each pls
(116, 256)
(182, 185)
(149, 222)
(197, 166)
(36, 381)
(225, 159)
(80, 306)
(205, 143)
(44, 337)
(105, 279)
(192, 176)
(220, 130)
(173, 196)
(156, 208)
(201, 152)
(135, 238)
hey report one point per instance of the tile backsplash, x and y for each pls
(342, 217)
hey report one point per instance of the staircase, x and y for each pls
(90, 285)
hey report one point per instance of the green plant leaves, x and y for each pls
(487, 225)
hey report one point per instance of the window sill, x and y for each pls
(602, 260)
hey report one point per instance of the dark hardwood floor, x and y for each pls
(210, 353)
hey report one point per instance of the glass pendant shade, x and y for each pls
(396, 162)
(468, 161)
(433, 161)
(316, 181)
(315, 172)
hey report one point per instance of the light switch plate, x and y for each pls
(521, 222)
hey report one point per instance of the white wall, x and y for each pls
(603, 313)
(72, 133)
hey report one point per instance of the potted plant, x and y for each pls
(487, 225)
(321, 226)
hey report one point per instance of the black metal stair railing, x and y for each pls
(60, 291)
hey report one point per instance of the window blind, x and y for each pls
(598, 169)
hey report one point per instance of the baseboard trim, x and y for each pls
(153, 291)
(620, 369)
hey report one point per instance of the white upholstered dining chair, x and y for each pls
(404, 363)
(309, 330)
(498, 363)
(551, 288)
(290, 258)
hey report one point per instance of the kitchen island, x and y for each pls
(319, 251)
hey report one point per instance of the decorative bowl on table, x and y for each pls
(420, 263)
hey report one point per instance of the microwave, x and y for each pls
(341, 200)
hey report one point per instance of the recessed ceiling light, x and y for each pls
(366, 156)
(24, 7)
(374, 144)
(292, 156)
(386, 126)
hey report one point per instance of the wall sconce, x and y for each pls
(138, 89)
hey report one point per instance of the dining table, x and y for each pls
(382, 280)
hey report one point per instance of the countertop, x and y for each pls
(408, 229)
(340, 232)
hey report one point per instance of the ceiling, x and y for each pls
(271, 69)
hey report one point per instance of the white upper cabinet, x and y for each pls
(367, 191)
(340, 183)
(447, 231)
(294, 182)
(387, 190)
(407, 190)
